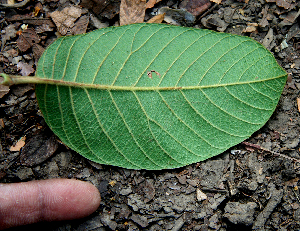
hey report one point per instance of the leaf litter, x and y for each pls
(132, 11)
(65, 20)
(17, 146)
(7, 33)
(27, 39)
(25, 68)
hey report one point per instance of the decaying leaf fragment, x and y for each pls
(132, 11)
(157, 18)
(150, 4)
(216, 1)
(38, 148)
(195, 7)
(7, 33)
(3, 90)
(286, 4)
(251, 27)
(27, 39)
(25, 68)
(106, 8)
(65, 19)
(20, 144)
(178, 17)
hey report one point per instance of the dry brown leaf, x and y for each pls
(10, 2)
(298, 104)
(132, 11)
(20, 90)
(269, 39)
(1, 123)
(81, 25)
(38, 148)
(25, 19)
(20, 144)
(104, 8)
(150, 4)
(178, 17)
(264, 21)
(27, 38)
(3, 90)
(292, 182)
(65, 19)
(7, 33)
(157, 18)
(25, 68)
(290, 18)
(286, 4)
(251, 27)
(37, 50)
(216, 1)
(195, 7)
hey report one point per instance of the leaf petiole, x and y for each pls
(10, 80)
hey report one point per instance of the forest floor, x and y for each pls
(245, 188)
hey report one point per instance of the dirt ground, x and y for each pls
(245, 188)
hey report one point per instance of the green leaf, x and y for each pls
(155, 96)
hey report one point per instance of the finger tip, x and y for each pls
(92, 194)
(76, 199)
(46, 200)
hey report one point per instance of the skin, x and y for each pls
(46, 200)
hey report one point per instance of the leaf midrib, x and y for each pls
(36, 80)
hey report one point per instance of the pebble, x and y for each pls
(238, 213)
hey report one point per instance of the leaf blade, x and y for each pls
(156, 96)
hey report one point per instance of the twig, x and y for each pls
(294, 190)
(260, 206)
(207, 12)
(16, 5)
(272, 152)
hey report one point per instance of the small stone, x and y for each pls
(297, 215)
(168, 209)
(253, 185)
(178, 224)
(24, 173)
(126, 191)
(216, 200)
(238, 213)
(85, 173)
(201, 195)
(106, 219)
(214, 222)
(140, 220)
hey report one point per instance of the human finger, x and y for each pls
(46, 200)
